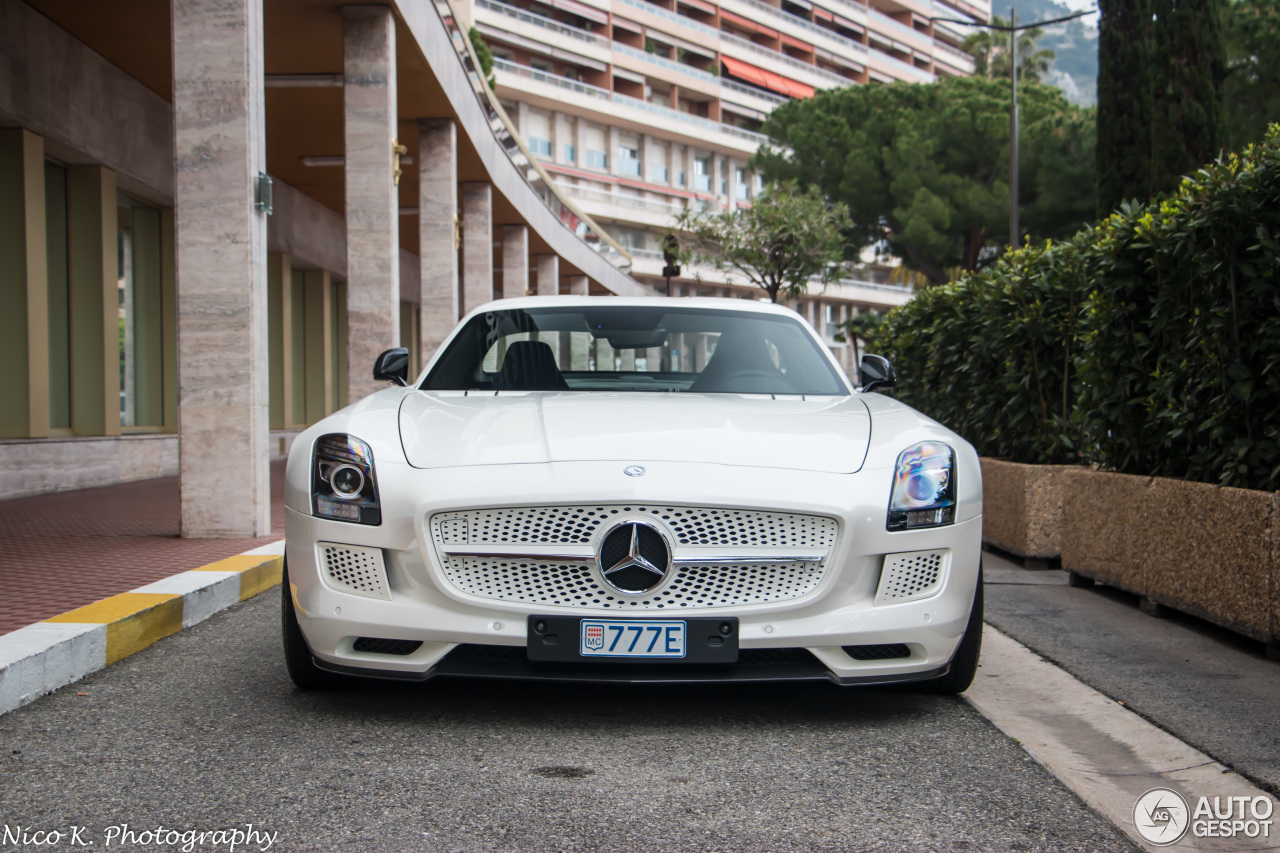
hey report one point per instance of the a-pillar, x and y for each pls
(548, 275)
(515, 261)
(477, 244)
(579, 285)
(221, 257)
(372, 202)
(437, 161)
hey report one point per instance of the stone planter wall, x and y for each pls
(1205, 550)
(1022, 507)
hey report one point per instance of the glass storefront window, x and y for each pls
(140, 314)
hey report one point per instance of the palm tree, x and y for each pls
(990, 52)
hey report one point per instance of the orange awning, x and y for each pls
(767, 79)
(794, 42)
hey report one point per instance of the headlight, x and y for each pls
(924, 487)
(342, 482)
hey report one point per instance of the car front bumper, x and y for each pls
(804, 638)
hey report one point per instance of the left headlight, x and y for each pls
(924, 487)
(343, 486)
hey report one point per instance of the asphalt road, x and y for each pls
(204, 731)
(1210, 688)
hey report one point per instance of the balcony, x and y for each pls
(757, 138)
(808, 26)
(737, 88)
(543, 22)
(672, 16)
(885, 24)
(903, 69)
(821, 73)
(953, 56)
(553, 79)
(667, 64)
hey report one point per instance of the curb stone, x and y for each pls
(40, 658)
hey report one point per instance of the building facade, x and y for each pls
(641, 108)
(215, 213)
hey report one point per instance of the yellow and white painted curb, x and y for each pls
(40, 658)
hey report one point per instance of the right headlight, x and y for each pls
(343, 486)
(924, 487)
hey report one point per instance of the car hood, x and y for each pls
(446, 429)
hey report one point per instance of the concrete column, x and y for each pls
(515, 261)
(579, 285)
(437, 232)
(372, 201)
(221, 258)
(548, 276)
(24, 281)
(477, 244)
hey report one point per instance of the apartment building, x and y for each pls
(640, 108)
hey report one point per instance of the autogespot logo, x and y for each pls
(1161, 816)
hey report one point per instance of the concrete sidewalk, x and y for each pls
(1215, 690)
(66, 550)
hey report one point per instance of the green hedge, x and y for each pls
(1149, 344)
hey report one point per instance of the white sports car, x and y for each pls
(641, 490)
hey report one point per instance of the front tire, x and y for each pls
(964, 664)
(297, 655)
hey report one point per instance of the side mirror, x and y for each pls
(392, 366)
(876, 372)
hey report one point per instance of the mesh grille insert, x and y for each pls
(575, 525)
(887, 651)
(382, 646)
(911, 576)
(690, 586)
(355, 570)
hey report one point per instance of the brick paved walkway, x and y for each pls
(65, 550)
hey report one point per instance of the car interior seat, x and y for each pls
(529, 366)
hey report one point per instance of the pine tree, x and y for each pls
(1189, 53)
(1125, 102)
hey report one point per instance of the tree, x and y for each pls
(864, 326)
(924, 167)
(1125, 102)
(1190, 59)
(484, 56)
(1251, 90)
(781, 244)
(990, 52)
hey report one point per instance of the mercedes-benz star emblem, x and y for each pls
(633, 557)
(634, 470)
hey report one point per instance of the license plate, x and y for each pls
(633, 638)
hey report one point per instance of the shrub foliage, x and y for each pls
(1149, 344)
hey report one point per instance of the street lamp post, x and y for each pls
(1013, 29)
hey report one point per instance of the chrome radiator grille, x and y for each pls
(551, 560)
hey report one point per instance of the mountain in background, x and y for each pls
(1075, 47)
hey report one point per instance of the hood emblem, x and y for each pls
(633, 557)
(634, 470)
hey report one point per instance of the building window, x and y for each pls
(744, 186)
(570, 153)
(628, 161)
(539, 146)
(702, 174)
(597, 159)
(658, 174)
(140, 314)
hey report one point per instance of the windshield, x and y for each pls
(635, 348)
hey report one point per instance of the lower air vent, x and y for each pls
(381, 646)
(912, 576)
(476, 653)
(355, 570)
(889, 651)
